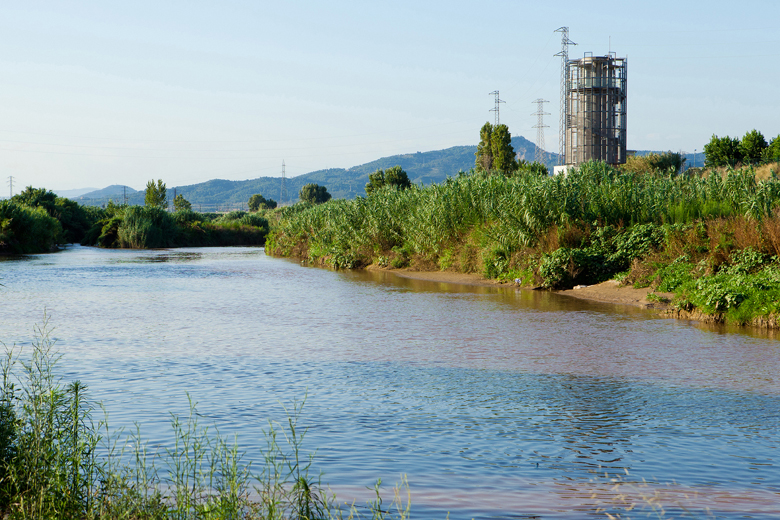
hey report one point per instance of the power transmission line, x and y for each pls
(498, 101)
(564, 54)
(283, 189)
(11, 184)
(540, 156)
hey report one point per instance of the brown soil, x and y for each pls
(607, 292)
(611, 292)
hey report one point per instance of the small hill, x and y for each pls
(422, 168)
(115, 192)
(74, 194)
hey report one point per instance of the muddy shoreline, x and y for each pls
(606, 292)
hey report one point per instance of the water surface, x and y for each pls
(495, 402)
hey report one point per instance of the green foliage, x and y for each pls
(180, 203)
(74, 219)
(502, 150)
(495, 151)
(772, 152)
(621, 217)
(722, 151)
(314, 194)
(532, 168)
(258, 202)
(484, 160)
(26, 230)
(156, 195)
(144, 227)
(752, 147)
(394, 177)
(664, 163)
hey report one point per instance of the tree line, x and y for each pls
(752, 149)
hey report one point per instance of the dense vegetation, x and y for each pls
(58, 461)
(714, 239)
(37, 221)
(751, 149)
(141, 227)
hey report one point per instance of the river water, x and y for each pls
(495, 402)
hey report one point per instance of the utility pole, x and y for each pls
(498, 101)
(124, 194)
(540, 156)
(11, 184)
(564, 54)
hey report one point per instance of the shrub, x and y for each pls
(145, 227)
(27, 230)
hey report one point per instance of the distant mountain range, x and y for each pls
(422, 167)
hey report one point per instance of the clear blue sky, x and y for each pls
(99, 93)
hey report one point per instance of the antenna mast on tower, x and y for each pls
(498, 101)
(564, 54)
(540, 156)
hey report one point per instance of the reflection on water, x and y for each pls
(494, 401)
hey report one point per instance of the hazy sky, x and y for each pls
(99, 93)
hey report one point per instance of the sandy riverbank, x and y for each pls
(605, 292)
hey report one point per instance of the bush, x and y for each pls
(27, 230)
(144, 227)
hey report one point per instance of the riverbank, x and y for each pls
(605, 292)
(610, 292)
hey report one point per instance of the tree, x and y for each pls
(156, 195)
(484, 153)
(394, 176)
(752, 147)
(495, 151)
(181, 204)
(503, 151)
(722, 151)
(772, 152)
(258, 202)
(532, 168)
(314, 193)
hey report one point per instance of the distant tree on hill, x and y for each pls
(314, 193)
(258, 202)
(180, 203)
(156, 194)
(722, 151)
(752, 147)
(394, 176)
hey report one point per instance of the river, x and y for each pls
(496, 402)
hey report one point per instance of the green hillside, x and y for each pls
(422, 167)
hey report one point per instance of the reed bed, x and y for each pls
(585, 227)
